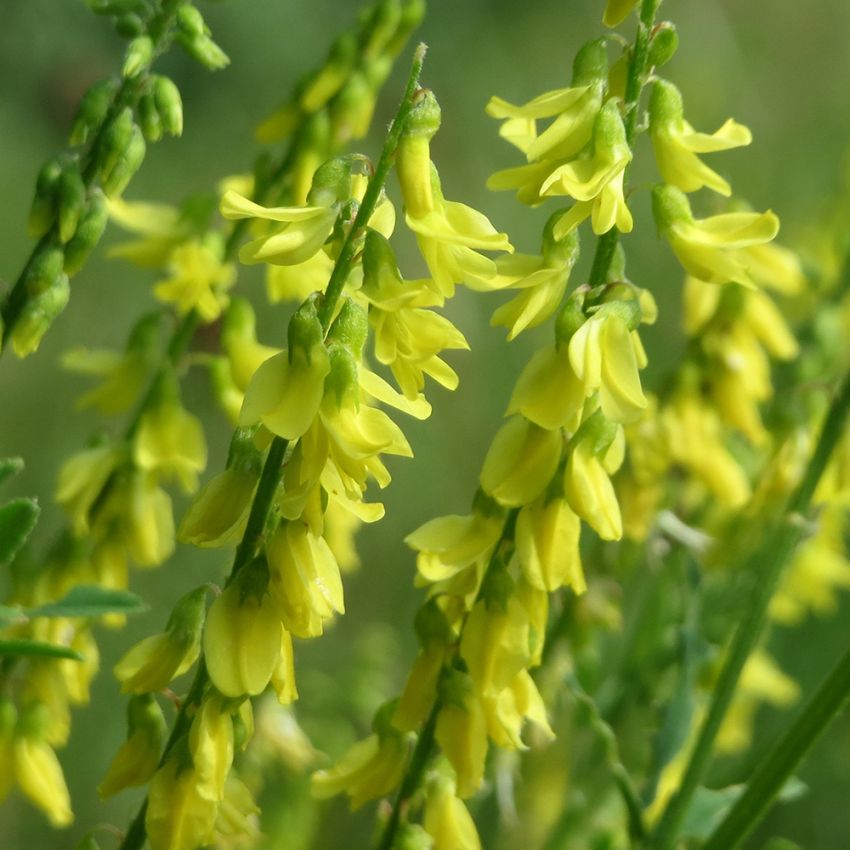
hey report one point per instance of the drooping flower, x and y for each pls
(717, 249)
(677, 144)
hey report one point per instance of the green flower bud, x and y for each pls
(149, 118)
(350, 328)
(169, 104)
(243, 454)
(204, 50)
(591, 63)
(412, 13)
(71, 193)
(190, 20)
(669, 206)
(44, 269)
(598, 432)
(412, 836)
(43, 209)
(626, 309)
(663, 46)
(342, 379)
(87, 234)
(186, 622)
(126, 166)
(332, 180)
(304, 331)
(87, 842)
(665, 104)
(497, 586)
(116, 137)
(424, 118)
(559, 252)
(617, 268)
(138, 57)
(129, 25)
(37, 316)
(570, 318)
(609, 133)
(92, 111)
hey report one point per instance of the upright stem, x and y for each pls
(766, 566)
(777, 767)
(273, 465)
(372, 193)
(635, 80)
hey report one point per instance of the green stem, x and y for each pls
(372, 193)
(766, 566)
(777, 767)
(260, 509)
(413, 777)
(622, 779)
(635, 80)
(159, 29)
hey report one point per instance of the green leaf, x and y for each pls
(91, 601)
(37, 648)
(709, 806)
(9, 467)
(17, 520)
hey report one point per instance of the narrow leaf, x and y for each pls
(37, 648)
(9, 467)
(91, 601)
(17, 520)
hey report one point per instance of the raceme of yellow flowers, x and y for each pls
(584, 457)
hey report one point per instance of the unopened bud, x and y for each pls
(38, 315)
(149, 119)
(591, 63)
(412, 13)
(350, 328)
(169, 104)
(662, 47)
(126, 166)
(71, 194)
(87, 234)
(139, 55)
(43, 209)
(342, 380)
(304, 331)
(93, 109)
(424, 117)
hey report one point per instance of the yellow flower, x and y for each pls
(170, 440)
(695, 441)
(162, 228)
(461, 731)
(449, 544)
(520, 462)
(37, 770)
(305, 579)
(211, 747)
(547, 538)
(596, 182)
(447, 819)
(717, 249)
(548, 392)
(124, 375)
(677, 144)
(283, 676)
(589, 491)
(370, 769)
(239, 341)
(178, 816)
(138, 758)
(573, 109)
(242, 638)
(144, 509)
(287, 389)
(152, 663)
(304, 230)
(495, 644)
(219, 511)
(507, 713)
(81, 481)
(449, 233)
(198, 280)
(606, 355)
(297, 282)
(237, 817)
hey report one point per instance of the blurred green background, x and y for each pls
(781, 67)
